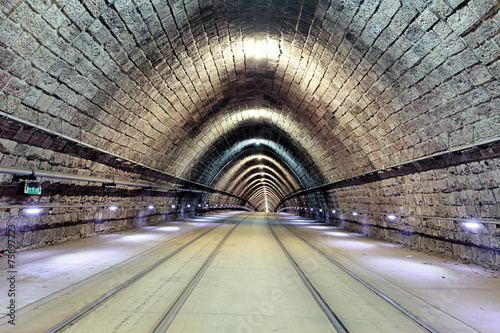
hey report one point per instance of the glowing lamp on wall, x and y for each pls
(33, 211)
(112, 208)
(472, 225)
(392, 217)
(355, 214)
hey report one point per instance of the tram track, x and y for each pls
(326, 303)
(330, 314)
(168, 315)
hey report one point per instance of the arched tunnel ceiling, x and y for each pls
(329, 88)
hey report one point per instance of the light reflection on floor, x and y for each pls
(140, 238)
(169, 229)
(301, 222)
(337, 234)
(85, 257)
(319, 227)
(352, 244)
(410, 266)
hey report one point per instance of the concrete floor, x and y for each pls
(427, 285)
(249, 287)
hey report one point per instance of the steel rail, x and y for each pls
(92, 306)
(169, 315)
(370, 287)
(330, 314)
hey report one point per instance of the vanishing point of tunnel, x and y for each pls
(379, 117)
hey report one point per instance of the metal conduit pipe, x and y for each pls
(451, 151)
(367, 212)
(107, 181)
(110, 204)
(81, 143)
(117, 204)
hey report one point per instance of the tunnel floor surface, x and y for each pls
(468, 294)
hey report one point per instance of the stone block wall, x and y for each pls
(74, 209)
(57, 224)
(427, 204)
(358, 85)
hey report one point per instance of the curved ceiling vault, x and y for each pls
(321, 90)
(290, 166)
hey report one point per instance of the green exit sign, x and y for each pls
(32, 189)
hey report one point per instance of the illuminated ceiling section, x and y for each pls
(250, 140)
(328, 89)
(249, 123)
(246, 177)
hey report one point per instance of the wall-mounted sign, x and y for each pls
(32, 189)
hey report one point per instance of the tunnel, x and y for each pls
(376, 117)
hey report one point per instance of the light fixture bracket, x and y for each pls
(18, 178)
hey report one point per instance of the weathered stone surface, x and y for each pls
(340, 89)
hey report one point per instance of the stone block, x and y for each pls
(389, 7)
(67, 95)
(494, 69)
(39, 6)
(48, 37)
(482, 7)
(414, 33)
(479, 75)
(32, 97)
(461, 83)
(488, 52)
(452, 45)
(44, 103)
(7, 58)
(487, 29)
(21, 13)
(9, 33)
(442, 29)
(72, 56)
(4, 80)
(462, 20)
(427, 19)
(441, 8)
(59, 46)
(73, 9)
(17, 88)
(85, 21)
(48, 84)
(68, 30)
(96, 7)
(25, 45)
(34, 25)
(43, 58)
(54, 17)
